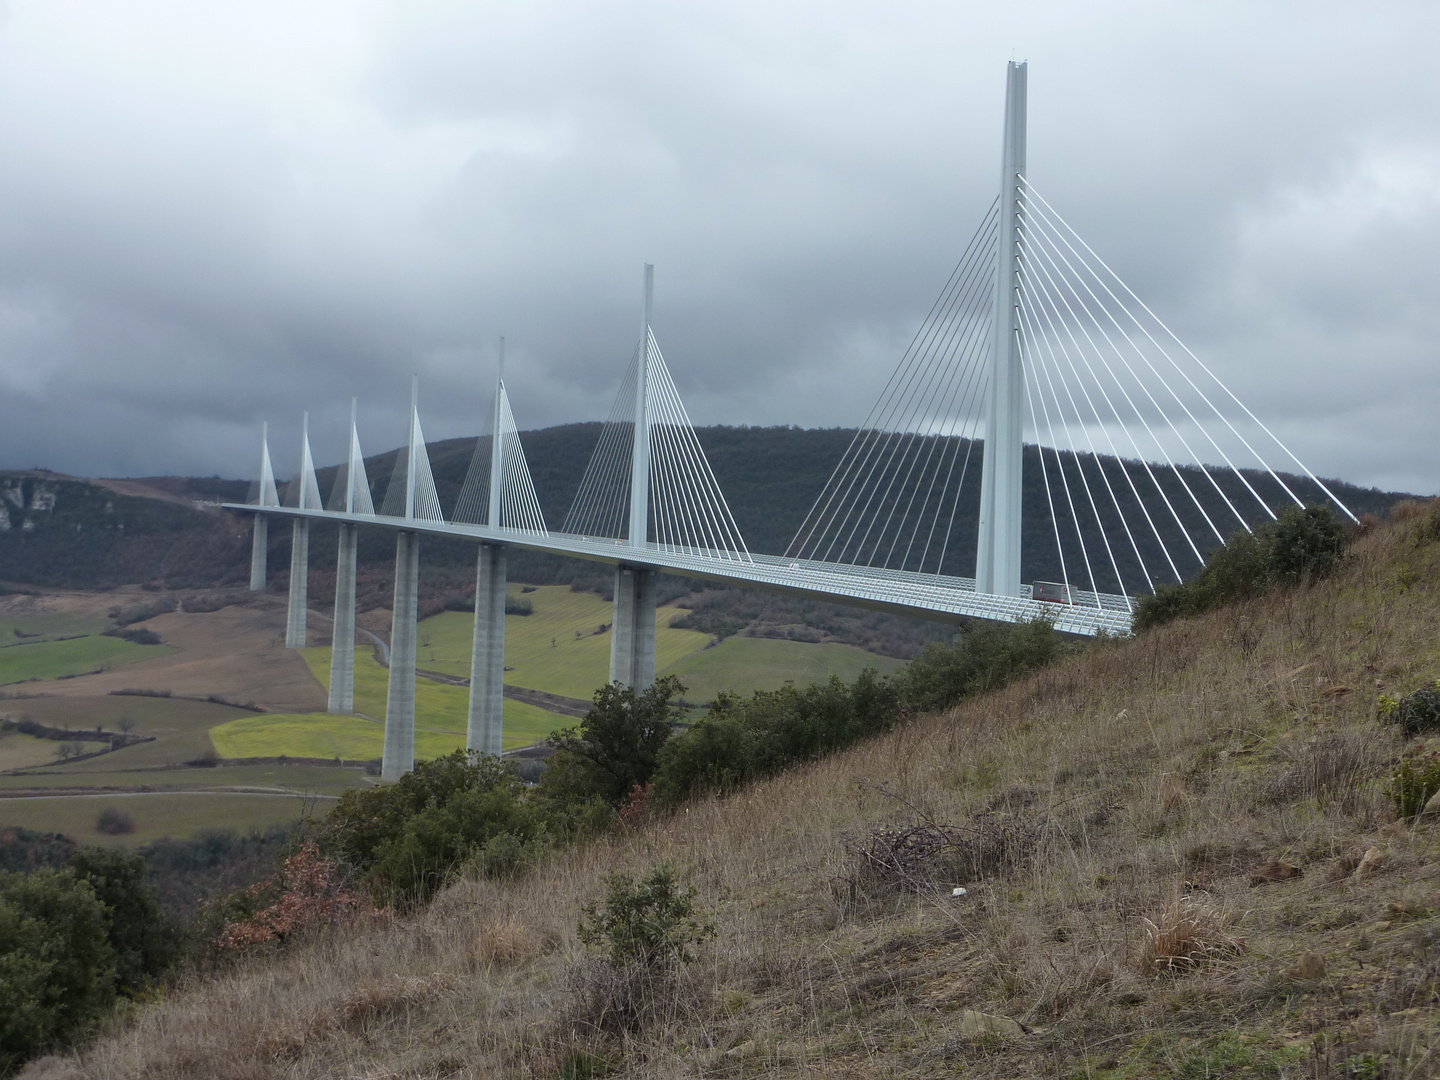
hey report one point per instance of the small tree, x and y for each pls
(617, 744)
(126, 724)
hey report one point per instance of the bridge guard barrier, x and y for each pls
(487, 660)
(632, 643)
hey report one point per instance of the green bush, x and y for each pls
(145, 943)
(1304, 543)
(1414, 713)
(984, 658)
(1412, 785)
(57, 969)
(651, 923)
(406, 838)
(616, 746)
(744, 739)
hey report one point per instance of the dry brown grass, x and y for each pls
(1158, 775)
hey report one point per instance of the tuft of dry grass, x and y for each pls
(1188, 933)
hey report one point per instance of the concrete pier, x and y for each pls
(400, 702)
(342, 652)
(259, 548)
(299, 585)
(632, 645)
(487, 663)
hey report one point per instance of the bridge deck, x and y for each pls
(901, 592)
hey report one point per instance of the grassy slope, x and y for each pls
(542, 650)
(1173, 764)
(75, 656)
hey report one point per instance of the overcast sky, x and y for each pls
(216, 214)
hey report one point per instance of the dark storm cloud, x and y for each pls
(207, 218)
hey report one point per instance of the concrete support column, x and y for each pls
(632, 644)
(299, 585)
(342, 651)
(487, 660)
(400, 702)
(259, 548)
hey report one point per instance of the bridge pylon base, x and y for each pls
(299, 585)
(342, 642)
(259, 549)
(487, 659)
(399, 756)
(632, 644)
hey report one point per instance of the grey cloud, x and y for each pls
(208, 219)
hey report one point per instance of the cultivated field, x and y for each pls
(72, 656)
(156, 815)
(559, 649)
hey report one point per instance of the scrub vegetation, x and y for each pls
(1182, 854)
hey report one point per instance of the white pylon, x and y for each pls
(997, 561)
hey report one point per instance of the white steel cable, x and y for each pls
(1151, 397)
(1038, 361)
(1220, 383)
(1053, 339)
(1084, 356)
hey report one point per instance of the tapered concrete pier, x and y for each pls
(487, 662)
(400, 703)
(342, 651)
(299, 585)
(632, 643)
(259, 549)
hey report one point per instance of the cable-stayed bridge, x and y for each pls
(1032, 335)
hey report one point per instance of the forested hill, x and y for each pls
(64, 531)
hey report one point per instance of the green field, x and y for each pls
(745, 664)
(542, 651)
(19, 751)
(181, 728)
(156, 815)
(47, 626)
(77, 656)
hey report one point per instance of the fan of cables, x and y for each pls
(518, 507)
(688, 513)
(1140, 459)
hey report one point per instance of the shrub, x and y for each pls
(407, 838)
(742, 740)
(616, 746)
(1412, 784)
(652, 922)
(136, 635)
(519, 607)
(144, 941)
(57, 969)
(309, 894)
(1415, 712)
(1303, 543)
(115, 822)
(982, 659)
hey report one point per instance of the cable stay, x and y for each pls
(412, 496)
(517, 507)
(303, 492)
(687, 512)
(351, 493)
(263, 491)
(1140, 472)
